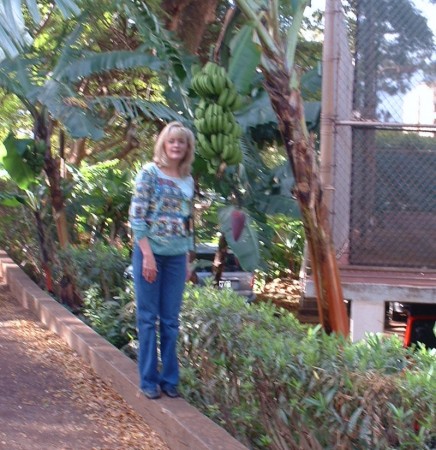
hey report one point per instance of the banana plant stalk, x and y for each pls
(282, 85)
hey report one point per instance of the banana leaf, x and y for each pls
(245, 57)
(13, 161)
(246, 248)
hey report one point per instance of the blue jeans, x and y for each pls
(160, 300)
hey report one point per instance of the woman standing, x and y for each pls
(160, 217)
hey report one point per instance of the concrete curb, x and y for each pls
(179, 424)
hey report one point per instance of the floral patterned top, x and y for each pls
(161, 210)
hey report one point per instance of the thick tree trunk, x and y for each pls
(288, 106)
(189, 19)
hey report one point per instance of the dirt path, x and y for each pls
(50, 399)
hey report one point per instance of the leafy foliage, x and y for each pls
(271, 381)
(288, 246)
(100, 265)
(100, 201)
(24, 160)
(16, 160)
(18, 230)
(15, 36)
(114, 319)
(247, 246)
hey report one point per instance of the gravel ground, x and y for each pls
(51, 399)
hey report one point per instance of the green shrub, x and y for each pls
(101, 264)
(275, 383)
(288, 246)
(114, 319)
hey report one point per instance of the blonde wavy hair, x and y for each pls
(175, 129)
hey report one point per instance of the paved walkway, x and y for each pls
(51, 399)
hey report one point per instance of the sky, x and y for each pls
(425, 6)
(429, 11)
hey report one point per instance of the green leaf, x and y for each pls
(80, 122)
(311, 82)
(68, 53)
(14, 78)
(132, 108)
(12, 27)
(68, 7)
(32, 6)
(13, 162)
(278, 204)
(245, 57)
(246, 248)
(258, 112)
(312, 114)
(93, 63)
(2, 151)
(11, 200)
(13, 32)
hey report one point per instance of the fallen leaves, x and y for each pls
(118, 424)
(283, 292)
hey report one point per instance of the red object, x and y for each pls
(419, 328)
(237, 222)
(48, 278)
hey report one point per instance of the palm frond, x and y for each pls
(14, 78)
(14, 36)
(79, 120)
(134, 108)
(18, 70)
(93, 63)
(32, 6)
(68, 52)
(68, 8)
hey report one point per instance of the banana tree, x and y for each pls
(47, 89)
(278, 49)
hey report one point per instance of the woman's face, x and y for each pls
(176, 146)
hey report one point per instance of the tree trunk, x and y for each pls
(189, 19)
(52, 168)
(44, 251)
(219, 260)
(288, 106)
(78, 153)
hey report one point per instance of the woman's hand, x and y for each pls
(149, 269)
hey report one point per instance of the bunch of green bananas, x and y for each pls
(218, 132)
(33, 156)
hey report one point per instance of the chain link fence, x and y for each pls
(378, 158)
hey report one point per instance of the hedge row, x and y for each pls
(275, 383)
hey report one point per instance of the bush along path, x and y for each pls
(275, 383)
